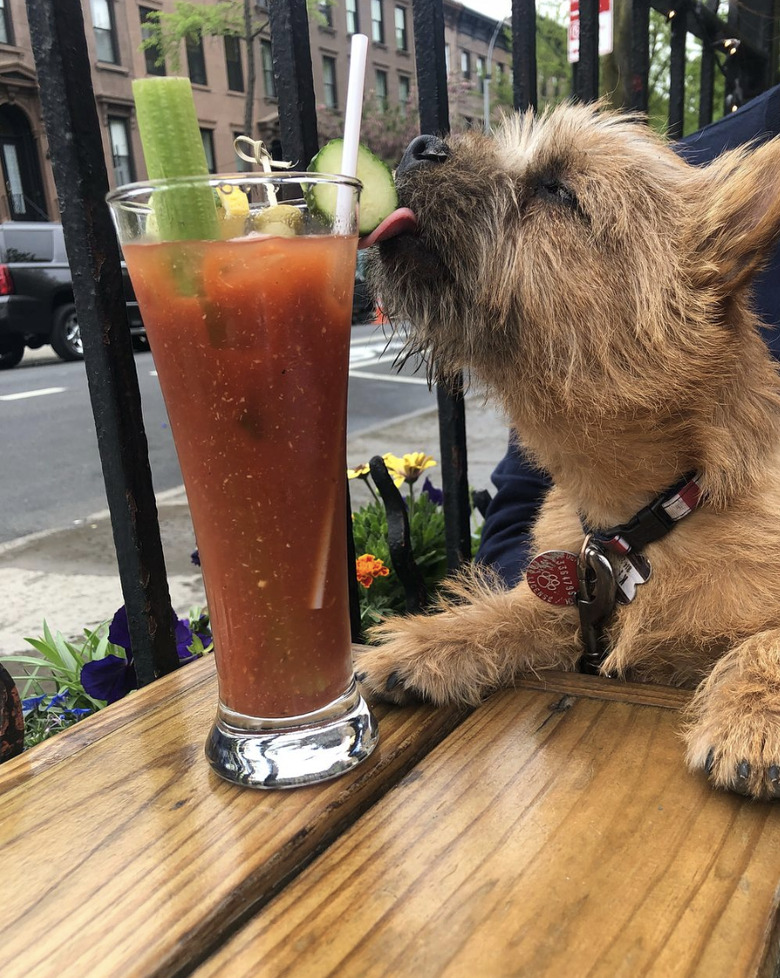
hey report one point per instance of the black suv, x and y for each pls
(36, 294)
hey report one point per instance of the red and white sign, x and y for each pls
(605, 28)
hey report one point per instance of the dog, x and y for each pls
(599, 287)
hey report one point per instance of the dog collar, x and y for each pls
(603, 583)
(653, 521)
(610, 566)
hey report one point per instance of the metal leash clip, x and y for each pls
(595, 601)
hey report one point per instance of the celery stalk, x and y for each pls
(173, 147)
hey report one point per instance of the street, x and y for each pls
(51, 476)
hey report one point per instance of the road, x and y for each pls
(50, 476)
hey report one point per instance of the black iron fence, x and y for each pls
(745, 43)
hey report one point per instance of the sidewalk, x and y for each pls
(69, 576)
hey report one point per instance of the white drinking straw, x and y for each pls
(353, 115)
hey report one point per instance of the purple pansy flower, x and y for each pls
(435, 495)
(112, 677)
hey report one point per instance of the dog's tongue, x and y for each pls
(400, 221)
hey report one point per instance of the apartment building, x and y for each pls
(217, 68)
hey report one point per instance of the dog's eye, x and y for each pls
(560, 192)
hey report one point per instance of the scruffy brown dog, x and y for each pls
(600, 287)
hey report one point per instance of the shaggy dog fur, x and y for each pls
(600, 287)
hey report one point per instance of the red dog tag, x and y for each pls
(552, 576)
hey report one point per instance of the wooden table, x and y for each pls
(553, 831)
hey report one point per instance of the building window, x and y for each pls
(380, 86)
(120, 150)
(353, 22)
(151, 54)
(235, 65)
(240, 165)
(268, 69)
(325, 11)
(207, 138)
(6, 27)
(377, 22)
(465, 64)
(103, 28)
(481, 72)
(329, 82)
(196, 62)
(401, 37)
(447, 58)
(404, 92)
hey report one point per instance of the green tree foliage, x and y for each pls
(167, 31)
(658, 108)
(388, 129)
(554, 73)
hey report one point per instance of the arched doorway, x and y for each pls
(21, 171)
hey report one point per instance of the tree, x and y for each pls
(388, 129)
(191, 22)
(553, 72)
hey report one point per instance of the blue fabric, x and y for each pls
(520, 488)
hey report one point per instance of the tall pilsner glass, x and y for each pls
(250, 336)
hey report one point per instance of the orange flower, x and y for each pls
(368, 568)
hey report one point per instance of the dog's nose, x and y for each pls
(423, 150)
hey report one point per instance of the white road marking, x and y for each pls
(388, 378)
(374, 351)
(39, 393)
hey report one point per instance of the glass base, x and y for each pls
(292, 751)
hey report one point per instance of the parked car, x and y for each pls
(36, 294)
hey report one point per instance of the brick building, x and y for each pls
(114, 31)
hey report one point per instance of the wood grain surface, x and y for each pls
(601, 688)
(124, 855)
(547, 836)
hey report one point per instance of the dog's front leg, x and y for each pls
(479, 637)
(735, 729)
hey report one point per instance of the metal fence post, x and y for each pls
(677, 72)
(289, 22)
(73, 132)
(587, 74)
(435, 118)
(640, 54)
(525, 94)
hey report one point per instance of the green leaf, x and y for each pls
(48, 651)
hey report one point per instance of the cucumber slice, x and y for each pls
(173, 147)
(378, 197)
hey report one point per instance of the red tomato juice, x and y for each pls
(250, 339)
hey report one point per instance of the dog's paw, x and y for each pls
(734, 733)
(422, 658)
(741, 756)
(386, 679)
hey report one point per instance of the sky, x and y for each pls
(503, 8)
(490, 8)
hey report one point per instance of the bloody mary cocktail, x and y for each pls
(250, 338)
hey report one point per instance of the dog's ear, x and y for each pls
(741, 218)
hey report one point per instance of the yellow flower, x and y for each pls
(361, 471)
(368, 568)
(409, 468)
